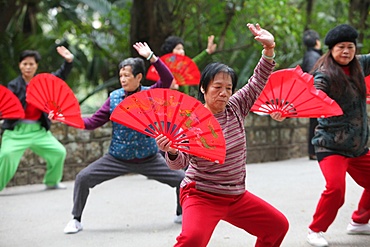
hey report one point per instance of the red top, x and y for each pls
(32, 113)
(346, 70)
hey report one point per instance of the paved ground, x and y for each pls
(133, 211)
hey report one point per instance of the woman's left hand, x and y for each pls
(262, 35)
(65, 53)
(52, 116)
(144, 50)
(277, 116)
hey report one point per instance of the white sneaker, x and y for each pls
(178, 219)
(317, 239)
(74, 226)
(58, 186)
(358, 229)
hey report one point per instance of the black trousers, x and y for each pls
(108, 167)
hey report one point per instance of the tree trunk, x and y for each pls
(309, 8)
(151, 22)
(357, 15)
(7, 10)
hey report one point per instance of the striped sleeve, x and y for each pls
(181, 161)
(247, 95)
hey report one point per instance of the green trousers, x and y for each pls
(31, 135)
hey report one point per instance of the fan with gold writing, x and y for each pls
(190, 126)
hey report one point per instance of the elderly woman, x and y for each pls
(212, 192)
(341, 142)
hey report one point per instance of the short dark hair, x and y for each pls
(209, 73)
(310, 37)
(137, 65)
(30, 53)
(170, 43)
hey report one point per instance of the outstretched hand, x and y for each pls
(144, 50)
(65, 53)
(261, 35)
(211, 47)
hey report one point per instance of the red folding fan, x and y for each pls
(49, 93)
(291, 92)
(183, 68)
(190, 126)
(367, 81)
(10, 106)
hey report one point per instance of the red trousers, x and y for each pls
(202, 211)
(334, 169)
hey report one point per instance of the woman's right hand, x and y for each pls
(164, 144)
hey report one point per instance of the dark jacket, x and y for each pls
(309, 59)
(18, 87)
(346, 134)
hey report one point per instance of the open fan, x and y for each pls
(49, 93)
(291, 92)
(367, 81)
(190, 126)
(183, 68)
(10, 106)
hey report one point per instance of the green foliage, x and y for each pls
(97, 49)
(227, 21)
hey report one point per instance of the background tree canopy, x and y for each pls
(100, 33)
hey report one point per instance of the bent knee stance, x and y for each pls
(62, 152)
(5, 154)
(281, 229)
(335, 192)
(85, 179)
(8, 167)
(196, 238)
(59, 151)
(274, 236)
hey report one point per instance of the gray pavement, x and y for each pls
(134, 211)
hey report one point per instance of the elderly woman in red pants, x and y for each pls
(212, 192)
